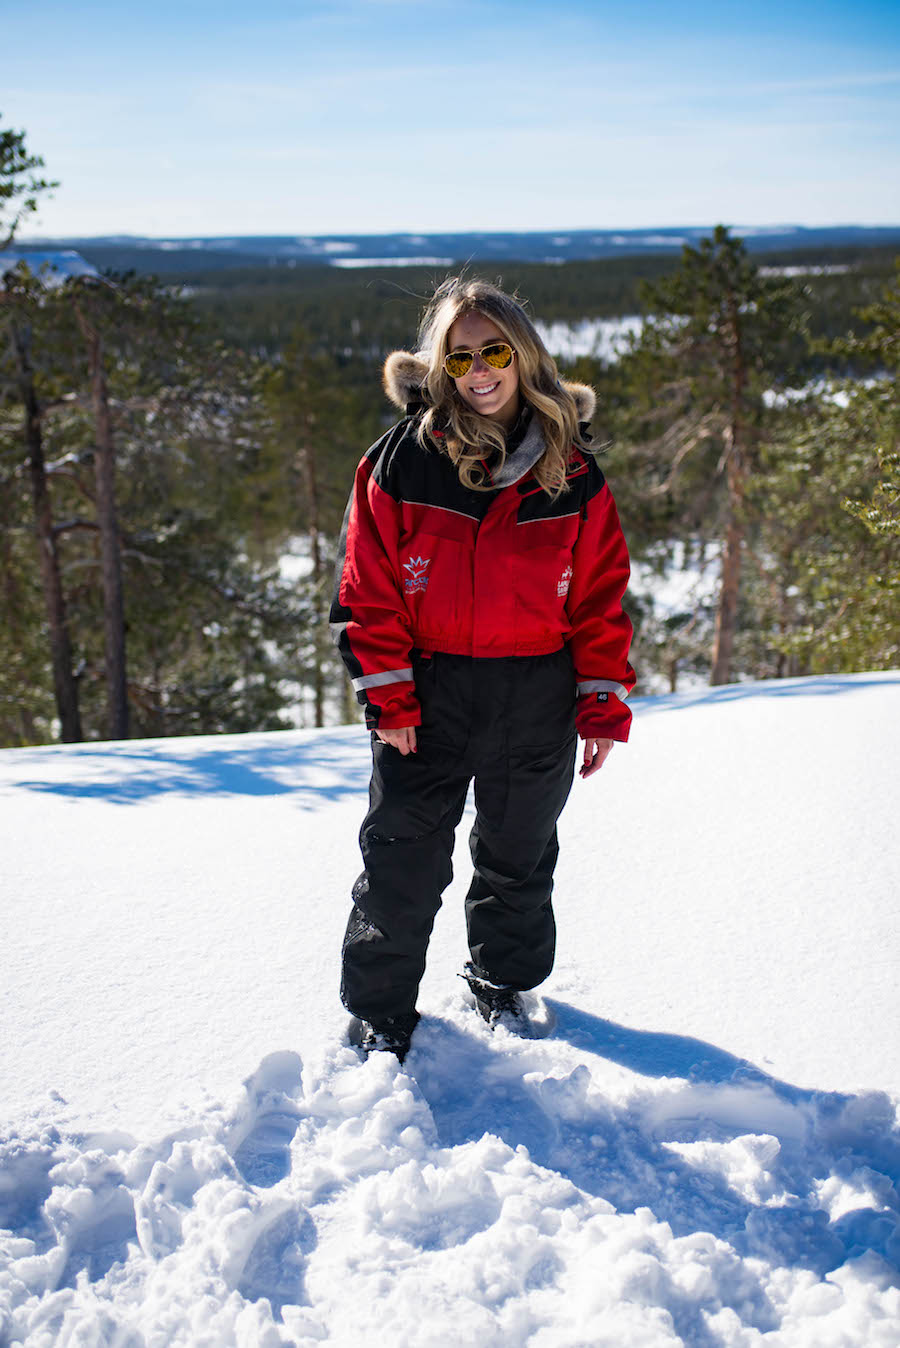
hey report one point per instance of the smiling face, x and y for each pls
(493, 393)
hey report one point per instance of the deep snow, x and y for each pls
(704, 1151)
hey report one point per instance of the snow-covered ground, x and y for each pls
(703, 1151)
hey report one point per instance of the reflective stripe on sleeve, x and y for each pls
(601, 686)
(378, 680)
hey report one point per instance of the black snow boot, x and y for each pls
(391, 1035)
(498, 1004)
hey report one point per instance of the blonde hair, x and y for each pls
(467, 436)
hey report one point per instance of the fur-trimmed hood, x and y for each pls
(405, 373)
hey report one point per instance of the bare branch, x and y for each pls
(676, 438)
(144, 557)
(69, 526)
(76, 481)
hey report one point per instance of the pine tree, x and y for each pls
(20, 189)
(89, 316)
(321, 424)
(20, 305)
(881, 345)
(213, 631)
(713, 342)
(827, 545)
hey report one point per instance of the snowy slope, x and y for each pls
(704, 1151)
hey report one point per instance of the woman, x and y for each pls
(478, 611)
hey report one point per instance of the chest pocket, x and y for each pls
(542, 572)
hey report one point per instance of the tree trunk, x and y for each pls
(726, 614)
(732, 555)
(320, 607)
(110, 552)
(351, 706)
(65, 684)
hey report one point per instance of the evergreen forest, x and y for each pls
(176, 454)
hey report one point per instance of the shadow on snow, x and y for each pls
(825, 685)
(314, 769)
(649, 1152)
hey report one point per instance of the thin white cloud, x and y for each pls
(856, 80)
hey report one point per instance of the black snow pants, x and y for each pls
(510, 724)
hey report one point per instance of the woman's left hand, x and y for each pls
(596, 753)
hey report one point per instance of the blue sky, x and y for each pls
(363, 116)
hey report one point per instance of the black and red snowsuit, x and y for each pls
(493, 622)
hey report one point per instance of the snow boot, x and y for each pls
(391, 1035)
(497, 1003)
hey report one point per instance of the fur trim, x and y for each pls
(585, 398)
(405, 373)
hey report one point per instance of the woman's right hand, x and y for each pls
(404, 740)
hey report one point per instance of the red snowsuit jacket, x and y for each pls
(428, 564)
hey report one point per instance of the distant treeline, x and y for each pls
(488, 249)
(373, 310)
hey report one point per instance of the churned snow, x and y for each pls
(702, 1151)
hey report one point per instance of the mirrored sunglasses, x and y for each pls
(496, 354)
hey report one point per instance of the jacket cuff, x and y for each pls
(602, 716)
(376, 719)
(396, 707)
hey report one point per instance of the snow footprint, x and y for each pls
(276, 1263)
(91, 1213)
(261, 1134)
(171, 1187)
(25, 1183)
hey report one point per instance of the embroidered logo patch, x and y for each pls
(417, 578)
(562, 585)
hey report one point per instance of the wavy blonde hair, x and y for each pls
(468, 437)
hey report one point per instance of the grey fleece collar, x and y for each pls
(523, 458)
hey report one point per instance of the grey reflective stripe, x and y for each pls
(378, 680)
(601, 686)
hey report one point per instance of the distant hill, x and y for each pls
(177, 255)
